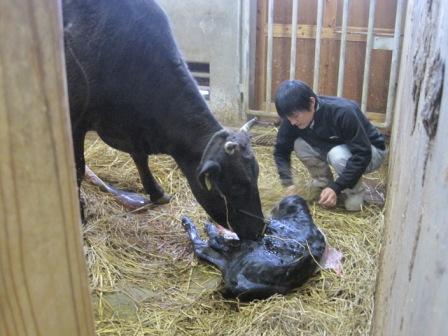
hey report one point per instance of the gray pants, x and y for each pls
(319, 167)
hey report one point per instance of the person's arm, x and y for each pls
(359, 145)
(282, 153)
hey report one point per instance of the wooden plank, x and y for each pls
(329, 52)
(305, 63)
(359, 13)
(412, 283)
(281, 55)
(43, 282)
(330, 13)
(354, 34)
(379, 80)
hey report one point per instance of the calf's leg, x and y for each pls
(200, 247)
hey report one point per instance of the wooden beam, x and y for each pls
(43, 278)
(354, 34)
(412, 284)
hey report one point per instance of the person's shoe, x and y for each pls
(354, 202)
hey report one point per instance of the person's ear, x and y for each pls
(312, 104)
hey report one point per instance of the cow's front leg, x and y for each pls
(202, 248)
(151, 186)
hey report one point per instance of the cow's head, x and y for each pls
(228, 175)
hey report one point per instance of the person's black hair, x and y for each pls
(293, 95)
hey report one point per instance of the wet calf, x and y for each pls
(283, 259)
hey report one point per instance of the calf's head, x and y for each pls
(290, 206)
(228, 176)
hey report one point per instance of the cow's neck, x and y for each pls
(191, 148)
(193, 124)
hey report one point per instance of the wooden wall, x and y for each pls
(330, 45)
(43, 278)
(412, 288)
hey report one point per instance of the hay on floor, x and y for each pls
(145, 280)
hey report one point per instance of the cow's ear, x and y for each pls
(207, 173)
(230, 147)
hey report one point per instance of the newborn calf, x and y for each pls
(283, 259)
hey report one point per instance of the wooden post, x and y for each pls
(43, 279)
(412, 287)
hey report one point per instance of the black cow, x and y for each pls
(128, 82)
(282, 260)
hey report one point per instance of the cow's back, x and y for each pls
(124, 72)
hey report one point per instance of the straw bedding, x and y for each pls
(144, 279)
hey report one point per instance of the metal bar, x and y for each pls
(368, 58)
(394, 65)
(343, 47)
(269, 55)
(292, 66)
(245, 62)
(320, 15)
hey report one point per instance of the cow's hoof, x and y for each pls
(162, 200)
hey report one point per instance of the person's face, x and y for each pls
(303, 118)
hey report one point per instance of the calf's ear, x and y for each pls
(207, 173)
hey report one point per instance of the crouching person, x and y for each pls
(326, 131)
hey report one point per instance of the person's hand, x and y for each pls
(290, 190)
(328, 198)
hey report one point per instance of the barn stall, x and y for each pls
(142, 276)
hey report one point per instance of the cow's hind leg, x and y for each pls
(201, 248)
(151, 186)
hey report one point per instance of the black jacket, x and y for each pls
(337, 121)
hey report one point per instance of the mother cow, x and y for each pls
(129, 83)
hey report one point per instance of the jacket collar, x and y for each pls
(316, 114)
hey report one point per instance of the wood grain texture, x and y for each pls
(330, 45)
(412, 286)
(43, 279)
